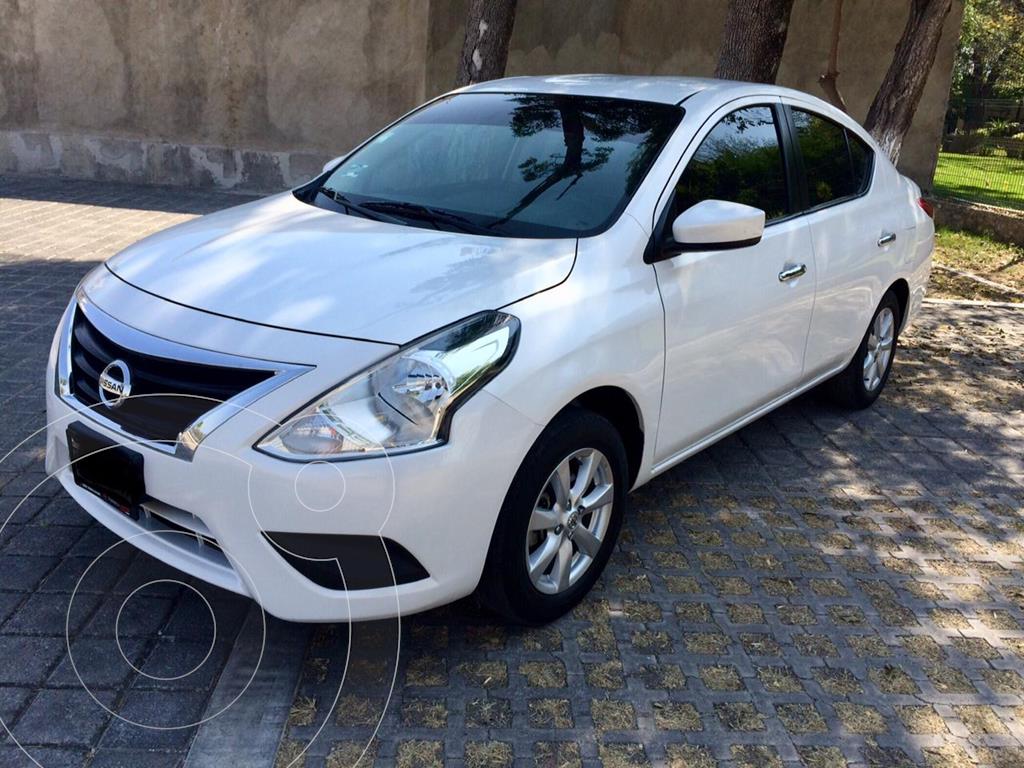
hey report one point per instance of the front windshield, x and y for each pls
(511, 165)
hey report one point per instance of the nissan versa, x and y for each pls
(437, 368)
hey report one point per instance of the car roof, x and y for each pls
(657, 88)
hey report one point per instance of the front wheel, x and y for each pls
(559, 522)
(861, 382)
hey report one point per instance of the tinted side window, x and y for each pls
(862, 158)
(739, 161)
(836, 163)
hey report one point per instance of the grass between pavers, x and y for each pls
(996, 180)
(979, 255)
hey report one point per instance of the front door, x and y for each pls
(736, 321)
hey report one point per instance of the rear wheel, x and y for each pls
(559, 522)
(862, 381)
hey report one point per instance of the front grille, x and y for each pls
(174, 393)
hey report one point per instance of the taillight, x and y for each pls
(926, 207)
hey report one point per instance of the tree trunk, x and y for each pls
(829, 80)
(753, 40)
(485, 47)
(896, 102)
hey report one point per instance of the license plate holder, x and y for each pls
(110, 470)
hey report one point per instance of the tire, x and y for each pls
(850, 388)
(506, 586)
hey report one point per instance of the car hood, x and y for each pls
(281, 262)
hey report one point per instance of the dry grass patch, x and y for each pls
(351, 754)
(720, 677)
(486, 674)
(921, 719)
(353, 710)
(779, 680)
(289, 754)
(676, 716)
(623, 755)
(1001, 263)
(740, 716)
(488, 754)
(612, 715)
(892, 679)
(543, 674)
(557, 754)
(860, 718)
(423, 713)
(801, 718)
(980, 719)
(689, 756)
(755, 756)
(550, 713)
(420, 754)
(303, 711)
(605, 674)
(822, 757)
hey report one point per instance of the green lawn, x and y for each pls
(982, 256)
(997, 180)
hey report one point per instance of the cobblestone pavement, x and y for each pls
(58, 571)
(820, 589)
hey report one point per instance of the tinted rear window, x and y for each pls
(837, 164)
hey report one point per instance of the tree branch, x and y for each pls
(828, 80)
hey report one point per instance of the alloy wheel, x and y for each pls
(569, 521)
(879, 351)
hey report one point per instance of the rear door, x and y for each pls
(855, 227)
(736, 320)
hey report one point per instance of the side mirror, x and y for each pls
(714, 225)
(331, 163)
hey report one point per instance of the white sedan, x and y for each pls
(437, 368)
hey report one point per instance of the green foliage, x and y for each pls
(990, 59)
(999, 129)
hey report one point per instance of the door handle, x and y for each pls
(886, 238)
(789, 273)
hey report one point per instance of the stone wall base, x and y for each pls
(142, 161)
(1003, 224)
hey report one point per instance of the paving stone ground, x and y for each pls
(61, 574)
(820, 589)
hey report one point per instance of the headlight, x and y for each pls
(405, 402)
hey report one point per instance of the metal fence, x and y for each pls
(982, 169)
(967, 115)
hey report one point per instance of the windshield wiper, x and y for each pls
(358, 208)
(433, 215)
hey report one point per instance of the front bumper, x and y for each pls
(439, 504)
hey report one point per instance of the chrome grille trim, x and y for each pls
(131, 338)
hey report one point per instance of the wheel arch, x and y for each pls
(621, 409)
(902, 290)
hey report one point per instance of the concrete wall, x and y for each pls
(257, 93)
(243, 93)
(666, 37)
(1002, 224)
